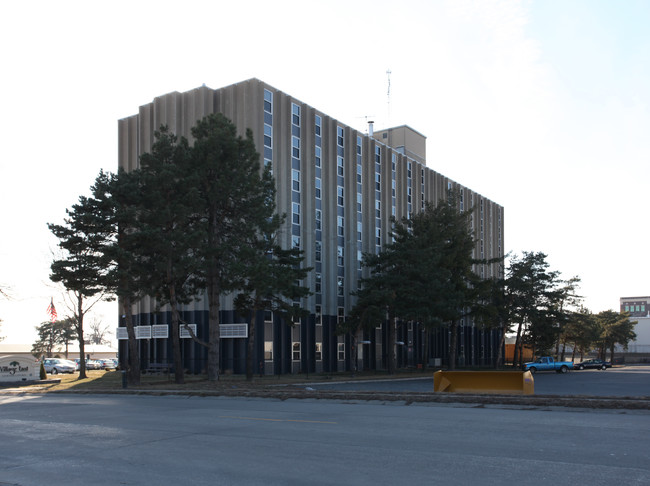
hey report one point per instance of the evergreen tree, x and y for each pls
(47, 340)
(376, 300)
(125, 246)
(67, 329)
(166, 231)
(273, 278)
(530, 288)
(235, 198)
(425, 275)
(582, 332)
(615, 328)
(82, 270)
(52, 334)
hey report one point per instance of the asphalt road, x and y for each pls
(170, 440)
(627, 381)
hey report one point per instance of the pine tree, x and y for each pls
(273, 278)
(82, 270)
(166, 230)
(235, 198)
(530, 292)
(424, 275)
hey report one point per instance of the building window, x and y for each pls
(295, 180)
(295, 114)
(340, 257)
(339, 136)
(340, 222)
(295, 241)
(318, 188)
(319, 316)
(268, 136)
(295, 147)
(319, 247)
(340, 287)
(268, 101)
(318, 285)
(339, 195)
(295, 209)
(268, 350)
(339, 165)
(317, 153)
(319, 123)
(319, 352)
(296, 351)
(341, 351)
(319, 216)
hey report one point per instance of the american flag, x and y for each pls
(51, 310)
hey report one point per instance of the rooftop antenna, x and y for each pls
(388, 73)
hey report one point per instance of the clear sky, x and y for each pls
(541, 106)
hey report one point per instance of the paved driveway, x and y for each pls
(627, 381)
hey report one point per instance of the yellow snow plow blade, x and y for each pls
(494, 382)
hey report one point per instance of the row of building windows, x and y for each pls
(296, 344)
(635, 308)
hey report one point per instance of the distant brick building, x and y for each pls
(636, 306)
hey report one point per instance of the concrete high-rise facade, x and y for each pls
(339, 188)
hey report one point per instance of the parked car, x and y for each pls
(91, 364)
(108, 364)
(597, 364)
(547, 363)
(57, 365)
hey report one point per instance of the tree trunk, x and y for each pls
(611, 359)
(179, 372)
(453, 340)
(80, 333)
(390, 361)
(214, 331)
(521, 353)
(251, 346)
(516, 348)
(498, 362)
(133, 367)
(425, 351)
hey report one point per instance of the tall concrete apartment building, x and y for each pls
(339, 188)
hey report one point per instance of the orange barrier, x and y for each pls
(495, 382)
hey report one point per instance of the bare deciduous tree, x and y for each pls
(98, 332)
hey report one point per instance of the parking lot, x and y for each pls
(623, 381)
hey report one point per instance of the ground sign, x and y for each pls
(18, 368)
